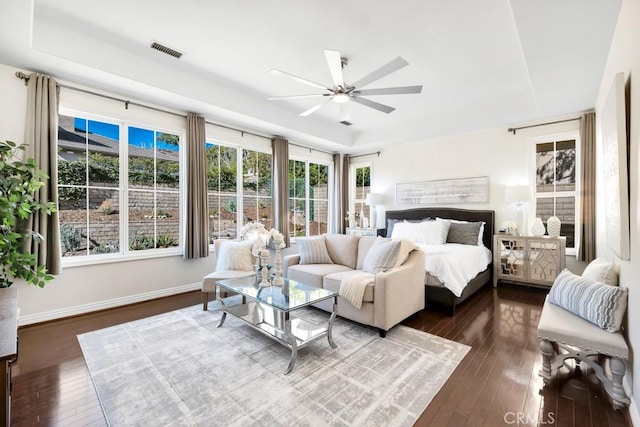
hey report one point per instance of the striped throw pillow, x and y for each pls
(382, 255)
(601, 304)
(313, 250)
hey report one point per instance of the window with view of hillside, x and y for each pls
(308, 198)
(256, 188)
(96, 207)
(360, 187)
(222, 191)
(555, 190)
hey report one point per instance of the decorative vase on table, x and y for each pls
(537, 228)
(553, 226)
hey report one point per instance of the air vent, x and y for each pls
(165, 49)
(346, 123)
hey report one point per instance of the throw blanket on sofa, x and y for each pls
(352, 288)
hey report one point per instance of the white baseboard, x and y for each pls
(633, 408)
(101, 305)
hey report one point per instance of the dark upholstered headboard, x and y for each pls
(450, 213)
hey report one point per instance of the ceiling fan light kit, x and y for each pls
(342, 93)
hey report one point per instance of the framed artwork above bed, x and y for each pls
(461, 190)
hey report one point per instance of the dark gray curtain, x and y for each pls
(587, 249)
(280, 185)
(42, 138)
(197, 237)
(340, 191)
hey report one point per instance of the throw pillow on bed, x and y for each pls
(313, 250)
(464, 233)
(235, 256)
(382, 255)
(601, 304)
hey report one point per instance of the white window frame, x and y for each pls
(307, 204)
(352, 184)
(563, 136)
(125, 254)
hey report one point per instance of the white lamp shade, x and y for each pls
(373, 199)
(517, 193)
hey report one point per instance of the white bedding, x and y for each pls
(455, 264)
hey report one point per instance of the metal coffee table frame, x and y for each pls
(268, 311)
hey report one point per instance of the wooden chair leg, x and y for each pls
(205, 301)
(618, 368)
(546, 348)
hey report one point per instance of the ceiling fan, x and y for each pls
(342, 92)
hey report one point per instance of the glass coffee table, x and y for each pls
(268, 310)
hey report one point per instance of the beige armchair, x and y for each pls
(209, 281)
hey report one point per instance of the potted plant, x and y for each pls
(19, 180)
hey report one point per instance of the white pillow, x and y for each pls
(602, 271)
(235, 256)
(434, 232)
(406, 230)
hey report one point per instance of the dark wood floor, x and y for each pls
(497, 383)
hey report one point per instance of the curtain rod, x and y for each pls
(363, 155)
(25, 77)
(513, 130)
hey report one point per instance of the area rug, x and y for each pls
(178, 368)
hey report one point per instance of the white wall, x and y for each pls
(625, 57)
(88, 288)
(503, 157)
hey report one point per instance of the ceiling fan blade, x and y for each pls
(315, 95)
(389, 90)
(373, 104)
(299, 79)
(381, 72)
(335, 67)
(313, 109)
(345, 112)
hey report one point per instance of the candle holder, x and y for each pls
(278, 280)
(264, 262)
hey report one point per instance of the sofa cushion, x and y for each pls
(233, 255)
(601, 304)
(333, 281)
(601, 270)
(313, 250)
(342, 249)
(406, 246)
(382, 255)
(312, 274)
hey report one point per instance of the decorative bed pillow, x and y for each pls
(313, 250)
(601, 304)
(235, 256)
(382, 255)
(480, 230)
(392, 222)
(601, 270)
(465, 233)
(406, 230)
(434, 232)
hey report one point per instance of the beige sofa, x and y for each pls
(393, 296)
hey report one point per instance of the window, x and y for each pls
(360, 187)
(119, 187)
(556, 182)
(308, 198)
(256, 188)
(222, 195)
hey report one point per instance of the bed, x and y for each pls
(437, 293)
